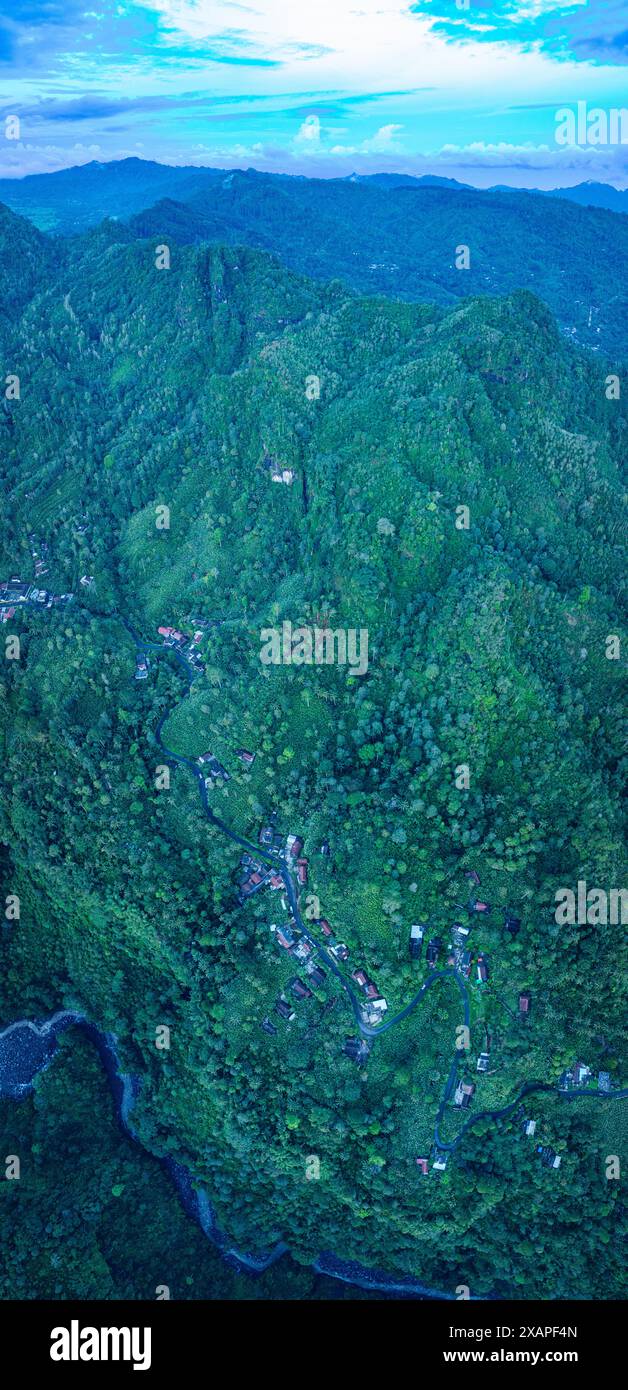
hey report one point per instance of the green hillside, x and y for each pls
(386, 235)
(184, 388)
(404, 242)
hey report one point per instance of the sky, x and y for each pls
(462, 88)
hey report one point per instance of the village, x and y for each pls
(257, 873)
(302, 947)
(283, 854)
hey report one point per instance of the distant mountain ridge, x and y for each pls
(591, 194)
(402, 243)
(382, 234)
(588, 194)
(71, 200)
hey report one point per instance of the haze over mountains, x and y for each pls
(589, 194)
(70, 200)
(383, 234)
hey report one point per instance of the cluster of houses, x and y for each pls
(213, 770)
(577, 1077)
(336, 948)
(459, 956)
(276, 843)
(440, 1159)
(375, 1007)
(302, 950)
(183, 643)
(295, 944)
(549, 1157)
(171, 637)
(254, 873)
(291, 940)
(462, 1098)
(16, 592)
(290, 850)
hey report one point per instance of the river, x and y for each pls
(27, 1048)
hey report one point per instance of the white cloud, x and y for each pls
(369, 46)
(44, 159)
(384, 135)
(310, 131)
(527, 155)
(382, 142)
(532, 9)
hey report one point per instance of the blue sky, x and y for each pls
(323, 87)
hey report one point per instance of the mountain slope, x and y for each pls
(590, 194)
(383, 234)
(72, 200)
(27, 261)
(145, 389)
(402, 242)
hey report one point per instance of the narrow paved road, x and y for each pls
(365, 1029)
(279, 865)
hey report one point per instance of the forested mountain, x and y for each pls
(384, 180)
(405, 242)
(589, 194)
(144, 388)
(386, 235)
(125, 1233)
(27, 261)
(72, 200)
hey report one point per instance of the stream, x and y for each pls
(27, 1048)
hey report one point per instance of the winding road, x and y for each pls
(278, 863)
(367, 1031)
(195, 1201)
